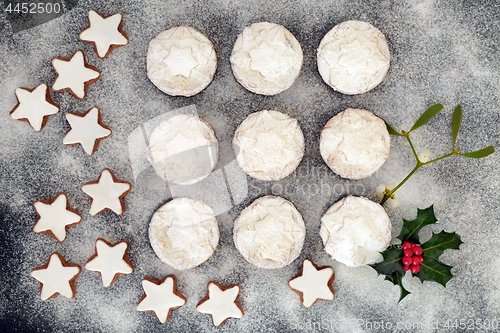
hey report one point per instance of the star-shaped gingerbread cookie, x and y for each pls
(104, 32)
(74, 74)
(86, 129)
(34, 106)
(55, 217)
(107, 193)
(57, 277)
(110, 260)
(221, 303)
(161, 297)
(313, 283)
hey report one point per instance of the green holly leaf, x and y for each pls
(440, 242)
(434, 270)
(391, 263)
(411, 228)
(397, 279)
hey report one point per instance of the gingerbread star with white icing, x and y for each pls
(313, 283)
(74, 74)
(104, 32)
(86, 129)
(55, 217)
(161, 297)
(57, 277)
(107, 193)
(110, 260)
(221, 303)
(34, 106)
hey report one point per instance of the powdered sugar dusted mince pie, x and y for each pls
(353, 57)
(269, 145)
(181, 61)
(266, 58)
(269, 233)
(355, 143)
(355, 230)
(183, 149)
(184, 233)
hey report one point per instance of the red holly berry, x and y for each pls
(415, 260)
(420, 259)
(408, 252)
(406, 245)
(417, 250)
(406, 267)
(415, 268)
(413, 245)
(407, 260)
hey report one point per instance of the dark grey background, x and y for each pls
(442, 52)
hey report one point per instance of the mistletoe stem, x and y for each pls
(389, 193)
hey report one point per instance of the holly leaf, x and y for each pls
(434, 270)
(440, 242)
(397, 279)
(411, 228)
(391, 263)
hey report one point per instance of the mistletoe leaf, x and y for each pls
(440, 242)
(391, 130)
(409, 232)
(455, 123)
(479, 153)
(427, 115)
(391, 263)
(434, 270)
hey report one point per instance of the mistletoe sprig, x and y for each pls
(425, 117)
(430, 267)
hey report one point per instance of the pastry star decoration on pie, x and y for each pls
(104, 32)
(313, 283)
(86, 129)
(74, 74)
(221, 303)
(180, 61)
(107, 193)
(161, 297)
(57, 277)
(264, 59)
(110, 260)
(34, 106)
(55, 216)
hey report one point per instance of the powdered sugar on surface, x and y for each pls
(441, 52)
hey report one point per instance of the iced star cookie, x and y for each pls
(183, 149)
(221, 303)
(269, 233)
(34, 106)
(184, 233)
(269, 145)
(86, 129)
(355, 143)
(57, 277)
(181, 61)
(55, 217)
(266, 58)
(110, 260)
(74, 74)
(104, 32)
(107, 193)
(313, 283)
(353, 57)
(161, 297)
(355, 230)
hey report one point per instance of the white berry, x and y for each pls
(424, 155)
